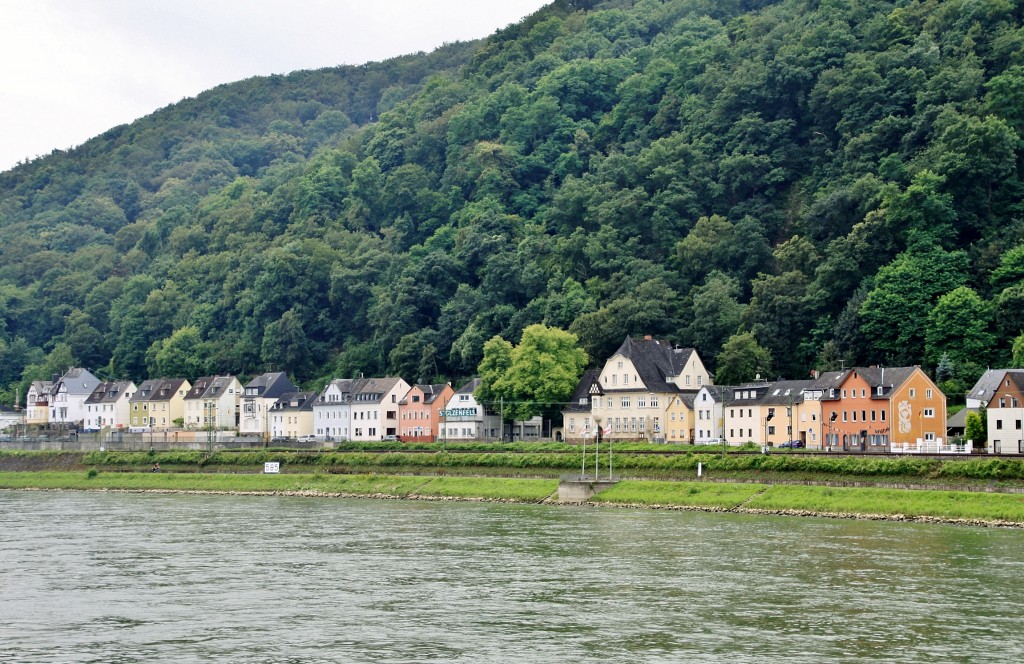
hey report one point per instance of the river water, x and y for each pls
(96, 577)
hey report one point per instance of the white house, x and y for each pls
(1005, 413)
(332, 411)
(465, 419)
(375, 407)
(259, 395)
(68, 395)
(213, 403)
(109, 406)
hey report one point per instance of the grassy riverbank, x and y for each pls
(950, 506)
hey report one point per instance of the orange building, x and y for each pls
(419, 412)
(872, 408)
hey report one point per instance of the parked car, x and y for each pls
(794, 444)
(393, 437)
(307, 439)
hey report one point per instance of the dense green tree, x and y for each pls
(894, 314)
(741, 360)
(959, 329)
(536, 376)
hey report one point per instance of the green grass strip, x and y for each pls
(392, 485)
(682, 494)
(890, 502)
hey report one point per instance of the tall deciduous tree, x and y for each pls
(895, 313)
(534, 377)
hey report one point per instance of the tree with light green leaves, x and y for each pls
(975, 428)
(537, 376)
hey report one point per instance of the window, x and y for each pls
(883, 415)
(844, 415)
(625, 379)
(999, 424)
(913, 393)
(863, 394)
(929, 412)
(654, 402)
(700, 380)
(928, 393)
(771, 430)
(641, 402)
(625, 402)
(844, 392)
(929, 436)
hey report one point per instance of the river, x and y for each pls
(109, 577)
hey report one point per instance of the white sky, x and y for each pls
(71, 69)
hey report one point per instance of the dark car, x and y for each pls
(794, 444)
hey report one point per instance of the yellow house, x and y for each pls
(679, 426)
(637, 385)
(158, 403)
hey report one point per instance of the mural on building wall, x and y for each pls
(904, 408)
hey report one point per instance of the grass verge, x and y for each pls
(680, 494)
(891, 502)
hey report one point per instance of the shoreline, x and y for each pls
(311, 493)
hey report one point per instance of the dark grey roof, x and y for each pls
(431, 393)
(470, 387)
(199, 387)
(109, 392)
(295, 401)
(582, 392)
(373, 390)
(828, 379)
(209, 387)
(989, 381)
(785, 392)
(655, 361)
(145, 391)
(270, 385)
(76, 381)
(958, 420)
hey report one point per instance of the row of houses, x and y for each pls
(650, 389)
(270, 405)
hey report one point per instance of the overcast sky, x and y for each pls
(71, 69)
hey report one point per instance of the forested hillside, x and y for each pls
(839, 178)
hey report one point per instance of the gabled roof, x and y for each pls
(295, 401)
(989, 382)
(1016, 379)
(344, 387)
(582, 392)
(470, 387)
(785, 392)
(827, 380)
(210, 387)
(161, 389)
(888, 378)
(655, 361)
(76, 381)
(199, 387)
(109, 392)
(270, 385)
(431, 393)
(145, 391)
(373, 390)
